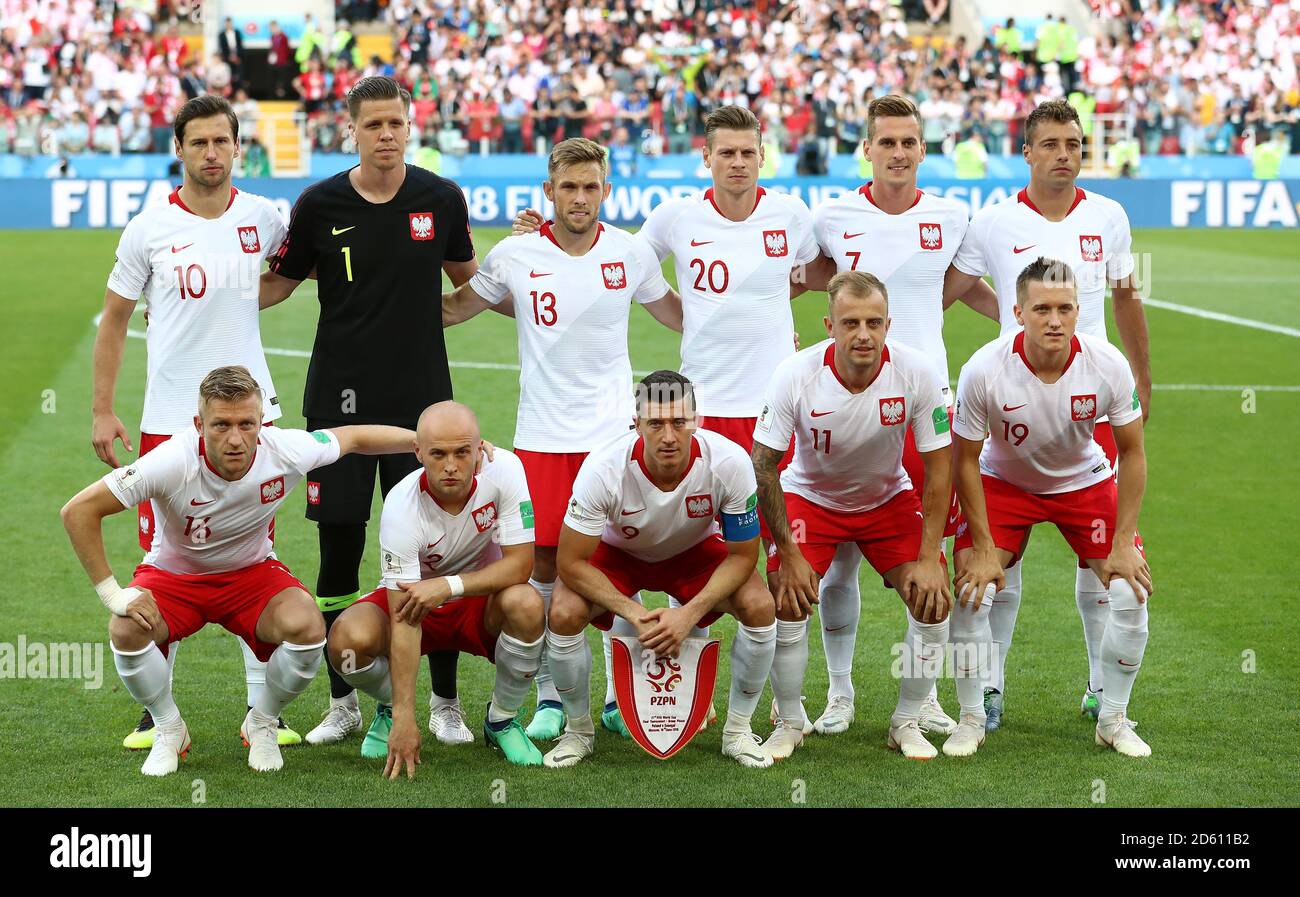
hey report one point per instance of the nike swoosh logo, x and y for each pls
(440, 538)
(1019, 249)
(1124, 664)
(1103, 601)
(637, 511)
(849, 236)
(535, 274)
(701, 242)
(340, 230)
(835, 628)
(1013, 407)
(186, 246)
(199, 504)
(821, 413)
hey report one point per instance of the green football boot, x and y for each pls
(510, 739)
(375, 745)
(547, 722)
(1090, 706)
(612, 719)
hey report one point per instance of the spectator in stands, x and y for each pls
(219, 77)
(74, 136)
(280, 61)
(573, 112)
(970, 158)
(546, 121)
(310, 85)
(256, 162)
(311, 44)
(1009, 38)
(27, 132)
(622, 154)
(105, 137)
(513, 112)
(678, 114)
(134, 130)
(230, 47)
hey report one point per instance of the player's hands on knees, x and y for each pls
(403, 748)
(666, 630)
(527, 221)
(797, 584)
(488, 449)
(1126, 562)
(422, 597)
(144, 610)
(107, 429)
(979, 570)
(927, 583)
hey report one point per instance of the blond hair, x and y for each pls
(731, 118)
(576, 151)
(229, 384)
(891, 106)
(856, 283)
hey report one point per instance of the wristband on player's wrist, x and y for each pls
(456, 584)
(116, 598)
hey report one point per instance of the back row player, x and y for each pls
(373, 236)
(195, 262)
(1056, 218)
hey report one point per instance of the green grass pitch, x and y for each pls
(1216, 697)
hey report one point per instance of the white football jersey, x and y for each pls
(734, 280)
(1040, 434)
(205, 524)
(614, 497)
(199, 279)
(1093, 239)
(571, 312)
(910, 252)
(419, 540)
(848, 447)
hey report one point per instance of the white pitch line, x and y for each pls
(499, 366)
(1219, 316)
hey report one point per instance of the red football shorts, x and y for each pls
(1085, 517)
(235, 600)
(681, 576)
(550, 478)
(459, 625)
(887, 536)
(915, 468)
(740, 430)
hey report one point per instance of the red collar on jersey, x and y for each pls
(424, 487)
(175, 199)
(547, 232)
(865, 190)
(1023, 196)
(708, 194)
(638, 454)
(204, 455)
(829, 360)
(1018, 346)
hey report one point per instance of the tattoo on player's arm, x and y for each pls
(771, 500)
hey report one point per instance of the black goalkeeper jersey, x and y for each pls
(379, 354)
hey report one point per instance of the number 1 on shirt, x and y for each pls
(347, 260)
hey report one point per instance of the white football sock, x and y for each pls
(254, 673)
(1094, 609)
(1122, 647)
(145, 675)
(171, 660)
(841, 607)
(348, 701)
(789, 662)
(752, 651)
(972, 646)
(516, 665)
(608, 647)
(1002, 625)
(288, 673)
(570, 657)
(545, 686)
(373, 680)
(923, 661)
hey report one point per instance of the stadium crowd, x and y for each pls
(1190, 77)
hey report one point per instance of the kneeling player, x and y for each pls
(644, 515)
(849, 402)
(456, 548)
(215, 491)
(1038, 394)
